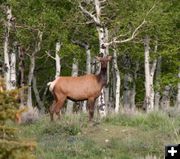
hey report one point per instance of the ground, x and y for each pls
(119, 136)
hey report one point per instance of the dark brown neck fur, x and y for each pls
(102, 76)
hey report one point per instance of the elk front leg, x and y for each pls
(51, 110)
(91, 103)
(59, 106)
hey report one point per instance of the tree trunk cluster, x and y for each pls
(120, 91)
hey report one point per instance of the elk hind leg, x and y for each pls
(59, 106)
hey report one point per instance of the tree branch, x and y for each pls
(81, 44)
(49, 55)
(89, 14)
(102, 1)
(151, 9)
(134, 34)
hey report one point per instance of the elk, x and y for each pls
(86, 87)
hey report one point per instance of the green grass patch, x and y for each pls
(120, 136)
(153, 120)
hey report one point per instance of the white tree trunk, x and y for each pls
(104, 43)
(103, 38)
(112, 91)
(103, 49)
(57, 58)
(13, 67)
(157, 93)
(70, 103)
(149, 77)
(32, 67)
(107, 89)
(102, 99)
(88, 61)
(6, 49)
(152, 73)
(152, 85)
(117, 83)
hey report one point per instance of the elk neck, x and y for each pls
(102, 76)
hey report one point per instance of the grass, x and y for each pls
(115, 137)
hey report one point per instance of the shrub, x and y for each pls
(11, 147)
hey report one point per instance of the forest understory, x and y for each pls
(122, 136)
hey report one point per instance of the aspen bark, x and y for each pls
(106, 89)
(13, 66)
(102, 30)
(88, 60)
(6, 48)
(103, 37)
(103, 50)
(149, 76)
(57, 58)
(117, 82)
(157, 93)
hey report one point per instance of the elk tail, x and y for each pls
(51, 85)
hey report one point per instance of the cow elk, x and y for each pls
(86, 87)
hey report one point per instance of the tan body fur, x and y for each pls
(76, 88)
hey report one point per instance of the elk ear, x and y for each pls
(109, 58)
(98, 58)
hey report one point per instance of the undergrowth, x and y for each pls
(119, 136)
(154, 120)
